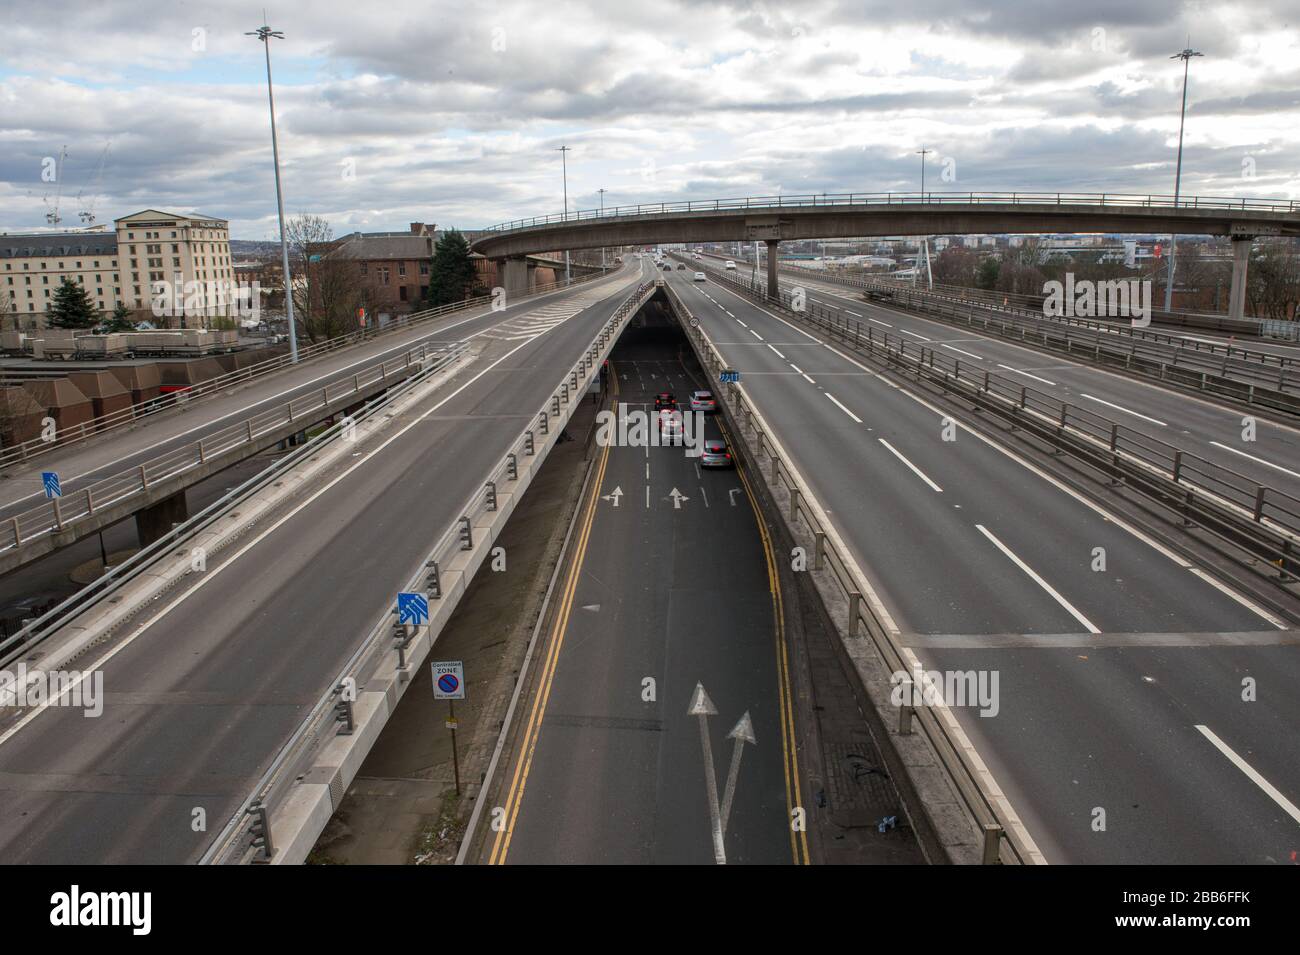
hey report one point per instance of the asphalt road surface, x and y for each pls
(986, 564)
(672, 588)
(201, 696)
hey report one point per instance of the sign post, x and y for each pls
(449, 685)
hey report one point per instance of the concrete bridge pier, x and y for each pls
(1240, 261)
(518, 276)
(773, 290)
(157, 520)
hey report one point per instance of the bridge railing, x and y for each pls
(57, 515)
(1258, 517)
(25, 450)
(321, 723)
(971, 781)
(1100, 200)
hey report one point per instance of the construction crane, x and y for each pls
(53, 217)
(87, 213)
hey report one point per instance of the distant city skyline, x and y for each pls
(425, 114)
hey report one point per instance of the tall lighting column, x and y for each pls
(264, 33)
(1186, 56)
(564, 167)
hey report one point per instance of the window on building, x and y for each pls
(401, 292)
(363, 268)
(383, 275)
(424, 268)
(401, 269)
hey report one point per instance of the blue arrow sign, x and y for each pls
(50, 480)
(729, 375)
(412, 608)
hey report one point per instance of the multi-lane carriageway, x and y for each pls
(1121, 690)
(205, 686)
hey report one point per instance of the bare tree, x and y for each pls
(325, 293)
(1273, 280)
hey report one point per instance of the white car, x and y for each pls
(729, 265)
(699, 276)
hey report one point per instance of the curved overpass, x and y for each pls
(773, 219)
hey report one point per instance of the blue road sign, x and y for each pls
(50, 480)
(412, 608)
(447, 683)
(729, 375)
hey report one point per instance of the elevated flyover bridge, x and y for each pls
(773, 219)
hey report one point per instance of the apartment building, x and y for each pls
(119, 266)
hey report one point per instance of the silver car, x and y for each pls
(716, 454)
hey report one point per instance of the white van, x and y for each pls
(730, 265)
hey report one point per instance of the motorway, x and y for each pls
(1210, 430)
(670, 581)
(985, 562)
(85, 462)
(204, 689)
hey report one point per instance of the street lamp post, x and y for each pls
(264, 33)
(917, 268)
(564, 167)
(1186, 56)
(602, 214)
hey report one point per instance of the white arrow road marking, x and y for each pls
(742, 733)
(703, 707)
(731, 494)
(677, 497)
(613, 495)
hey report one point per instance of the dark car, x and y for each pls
(665, 400)
(681, 265)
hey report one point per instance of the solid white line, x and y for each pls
(1038, 580)
(959, 351)
(212, 574)
(842, 408)
(1136, 414)
(778, 354)
(1252, 457)
(915, 470)
(1028, 375)
(1269, 789)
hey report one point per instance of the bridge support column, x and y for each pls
(773, 290)
(516, 276)
(1240, 261)
(156, 520)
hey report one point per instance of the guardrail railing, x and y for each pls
(321, 722)
(1031, 308)
(1101, 200)
(54, 516)
(23, 451)
(114, 578)
(1259, 517)
(1001, 834)
(1274, 387)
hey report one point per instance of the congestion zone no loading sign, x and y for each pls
(448, 680)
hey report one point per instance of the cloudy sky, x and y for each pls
(451, 112)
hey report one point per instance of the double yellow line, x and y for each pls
(789, 744)
(532, 731)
